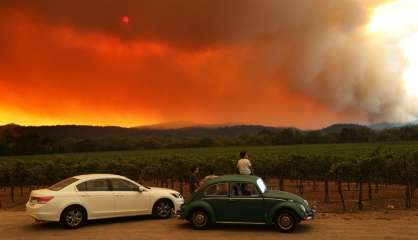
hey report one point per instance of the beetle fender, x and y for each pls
(284, 205)
(201, 205)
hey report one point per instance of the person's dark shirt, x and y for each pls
(193, 182)
(245, 192)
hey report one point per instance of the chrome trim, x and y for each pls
(302, 207)
(255, 223)
(237, 198)
(246, 198)
(215, 196)
(220, 197)
(278, 199)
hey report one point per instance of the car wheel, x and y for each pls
(199, 219)
(286, 221)
(163, 209)
(73, 217)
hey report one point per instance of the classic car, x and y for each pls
(244, 199)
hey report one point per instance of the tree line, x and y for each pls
(38, 142)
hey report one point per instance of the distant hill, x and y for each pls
(180, 127)
(91, 132)
(21, 140)
(185, 124)
(8, 127)
(386, 125)
(336, 128)
(169, 125)
(170, 129)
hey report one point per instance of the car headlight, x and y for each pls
(302, 207)
(176, 195)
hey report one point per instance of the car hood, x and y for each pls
(161, 190)
(284, 195)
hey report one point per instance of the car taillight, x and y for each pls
(41, 200)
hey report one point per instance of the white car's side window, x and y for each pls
(94, 185)
(123, 185)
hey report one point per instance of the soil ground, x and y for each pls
(383, 218)
(396, 224)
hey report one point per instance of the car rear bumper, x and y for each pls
(42, 212)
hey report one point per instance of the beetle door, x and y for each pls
(217, 196)
(246, 204)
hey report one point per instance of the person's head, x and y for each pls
(243, 154)
(194, 170)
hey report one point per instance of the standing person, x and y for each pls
(194, 179)
(244, 165)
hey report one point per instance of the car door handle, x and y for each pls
(232, 200)
(119, 195)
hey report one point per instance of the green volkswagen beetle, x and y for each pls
(244, 199)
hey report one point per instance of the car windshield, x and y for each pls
(261, 185)
(62, 184)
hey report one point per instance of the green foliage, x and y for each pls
(383, 163)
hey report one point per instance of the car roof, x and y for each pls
(97, 175)
(234, 178)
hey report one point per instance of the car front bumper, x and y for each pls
(178, 203)
(309, 215)
(182, 212)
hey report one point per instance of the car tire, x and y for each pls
(286, 221)
(199, 219)
(73, 217)
(162, 209)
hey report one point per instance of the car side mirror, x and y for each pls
(141, 189)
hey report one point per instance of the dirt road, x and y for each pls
(368, 225)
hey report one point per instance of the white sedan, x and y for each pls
(77, 199)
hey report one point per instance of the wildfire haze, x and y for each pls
(302, 63)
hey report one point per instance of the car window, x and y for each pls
(220, 189)
(94, 186)
(123, 185)
(62, 184)
(244, 189)
(261, 185)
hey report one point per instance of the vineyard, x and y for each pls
(360, 170)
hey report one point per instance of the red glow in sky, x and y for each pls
(133, 63)
(125, 19)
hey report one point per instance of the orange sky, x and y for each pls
(58, 71)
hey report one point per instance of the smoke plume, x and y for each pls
(301, 62)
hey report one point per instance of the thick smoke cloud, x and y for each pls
(200, 23)
(293, 54)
